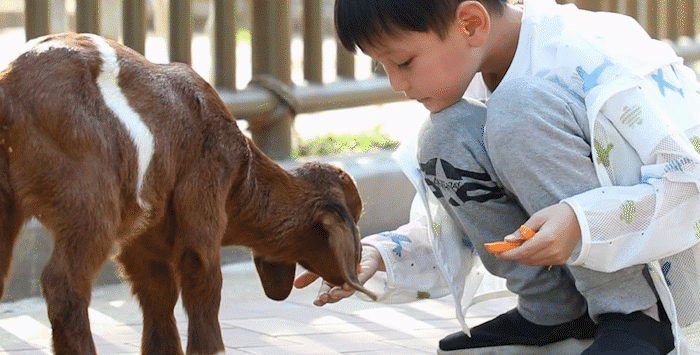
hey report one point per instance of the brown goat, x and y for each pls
(104, 147)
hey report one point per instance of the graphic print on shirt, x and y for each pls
(397, 239)
(603, 153)
(629, 208)
(695, 140)
(591, 80)
(631, 116)
(663, 84)
(458, 186)
(665, 270)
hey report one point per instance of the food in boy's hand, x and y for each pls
(499, 247)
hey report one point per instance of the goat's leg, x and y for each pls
(67, 284)
(201, 296)
(200, 228)
(10, 223)
(9, 231)
(145, 262)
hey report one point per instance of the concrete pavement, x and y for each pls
(253, 324)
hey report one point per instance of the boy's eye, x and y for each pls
(406, 63)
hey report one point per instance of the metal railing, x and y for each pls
(270, 102)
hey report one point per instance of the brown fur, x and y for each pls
(66, 159)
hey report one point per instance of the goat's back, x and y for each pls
(81, 114)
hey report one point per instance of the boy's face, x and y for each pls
(426, 68)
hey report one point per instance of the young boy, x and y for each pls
(590, 137)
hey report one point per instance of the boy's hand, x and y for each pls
(370, 263)
(556, 234)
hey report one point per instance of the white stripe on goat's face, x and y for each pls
(141, 136)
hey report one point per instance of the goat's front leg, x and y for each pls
(200, 279)
(145, 262)
(200, 227)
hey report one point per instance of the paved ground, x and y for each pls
(252, 324)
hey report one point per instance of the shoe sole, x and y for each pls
(565, 347)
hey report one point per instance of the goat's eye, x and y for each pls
(318, 228)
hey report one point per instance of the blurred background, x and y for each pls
(288, 43)
(295, 90)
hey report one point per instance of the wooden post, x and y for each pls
(87, 17)
(272, 56)
(36, 17)
(313, 42)
(134, 24)
(225, 44)
(181, 31)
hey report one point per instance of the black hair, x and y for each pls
(362, 22)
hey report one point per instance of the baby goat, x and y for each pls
(102, 146)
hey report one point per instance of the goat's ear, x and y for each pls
(277, 278)
(352, 195)
(344, 242)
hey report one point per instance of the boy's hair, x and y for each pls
(363, 22)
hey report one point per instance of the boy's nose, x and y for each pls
(398, 83)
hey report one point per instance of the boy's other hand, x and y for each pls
(370, 263)
(556, 234)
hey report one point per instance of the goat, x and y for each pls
(104, 148)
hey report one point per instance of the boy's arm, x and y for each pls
(628, 225)
(411, 270)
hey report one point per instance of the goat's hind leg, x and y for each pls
(80, 249)
(145, 262)
(10, 225)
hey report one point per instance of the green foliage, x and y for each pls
(243, 36)
(334, 143)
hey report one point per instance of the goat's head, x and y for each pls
(331, 241)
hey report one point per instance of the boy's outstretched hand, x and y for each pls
(370, 263)
(556, 234)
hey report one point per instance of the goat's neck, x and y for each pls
(265, 205)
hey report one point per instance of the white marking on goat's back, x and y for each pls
(41, 44)
(113, 96)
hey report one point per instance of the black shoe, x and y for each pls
(632, 334)
(511, 330)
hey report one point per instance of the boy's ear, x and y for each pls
(474, 20)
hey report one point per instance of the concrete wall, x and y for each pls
(386, 193)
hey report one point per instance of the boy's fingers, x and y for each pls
(322, 298)
(328, 294)
(366, 272)
(338, 293)
(524, 253)
(305, 279)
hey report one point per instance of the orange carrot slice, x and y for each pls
(525, 232)
(499, 247)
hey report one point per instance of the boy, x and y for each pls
(592, 130)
